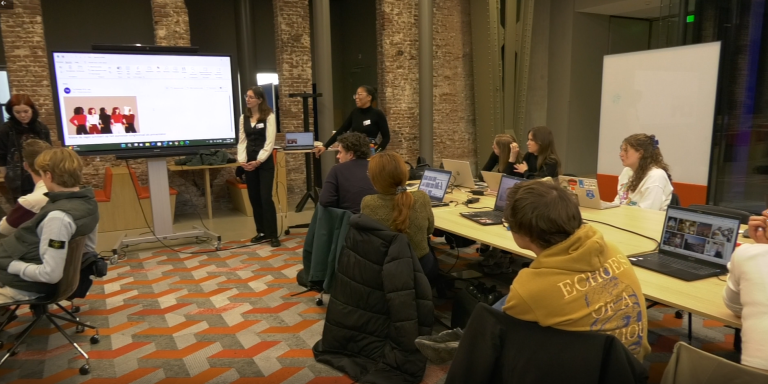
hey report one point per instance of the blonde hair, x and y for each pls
(64, 164)
(388, 171)
(31, 150)
(502, 142)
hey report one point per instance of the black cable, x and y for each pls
(458, 253)
(144, 214)
(627, 230)
(723, 280)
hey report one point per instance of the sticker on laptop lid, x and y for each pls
(590, 184)
(581, 183)
(590, 194)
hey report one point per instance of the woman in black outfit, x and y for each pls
(541, 160)
(254, 152)
(500, 157)
(364, 119)
(22, 126)
(105, 121)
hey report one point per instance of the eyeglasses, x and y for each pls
(247, 97)
(360, 95)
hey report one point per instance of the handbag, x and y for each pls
(468, 298)
(415, 173)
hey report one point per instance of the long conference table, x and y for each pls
(702, 297)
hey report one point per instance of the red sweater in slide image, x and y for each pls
(78, 120)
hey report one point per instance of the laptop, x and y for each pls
(461, 171)
(586, 191)
(296, 141)
(694, 245)
(492, 179)
(495, 216)
(434, 182)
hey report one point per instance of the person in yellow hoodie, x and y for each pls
(578, 281)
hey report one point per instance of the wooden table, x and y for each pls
(206, 170)
(702, 297)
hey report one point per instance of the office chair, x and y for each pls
(39, 306)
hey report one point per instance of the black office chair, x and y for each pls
(39, 306)
(675, 201)
(742, 215)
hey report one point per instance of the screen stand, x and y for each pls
(161, 213)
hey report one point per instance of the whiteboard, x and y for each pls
(667, 92)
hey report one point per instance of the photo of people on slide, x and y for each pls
(672, 239)
(83, 118)
(714, 249)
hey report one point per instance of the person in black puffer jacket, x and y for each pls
(380, 303)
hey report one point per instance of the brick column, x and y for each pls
(454, 100)
(27, 58)
(398, 53)
(171, 22)
(294, 69)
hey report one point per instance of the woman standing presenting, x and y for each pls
(364, 119)
(254, 152)
(22, 126)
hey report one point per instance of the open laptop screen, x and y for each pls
(507, 182)
(299, 139)
(434, 183)
(702, 235)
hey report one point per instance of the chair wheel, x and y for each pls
(287, 232)
(85, 369)
(678, 314)
(14, 353)
(79, 329)
(113, 260)
(319, 302)
(95, 339)
(75, 309)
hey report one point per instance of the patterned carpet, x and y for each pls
(229, 317)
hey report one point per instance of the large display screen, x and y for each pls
(143, 102)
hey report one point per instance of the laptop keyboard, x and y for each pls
(685, 265)
(495, 215)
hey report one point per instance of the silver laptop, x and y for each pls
(434, 183)
(492, 179)
(694, 245)
(462, 172)
(297, 141)
(586, 191)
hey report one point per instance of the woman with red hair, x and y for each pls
(23, 125)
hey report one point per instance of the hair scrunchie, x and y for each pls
(400, 190)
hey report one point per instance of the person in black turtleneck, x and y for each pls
(254, 152)
(541, 160)
(364, 119)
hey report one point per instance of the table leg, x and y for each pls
(208, 193)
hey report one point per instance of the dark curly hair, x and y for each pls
(650, 156)
(357, 143)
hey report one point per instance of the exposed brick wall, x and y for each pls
(454, 100)
(294, 69)
(27, 58)
(397, 38)
(171, 22)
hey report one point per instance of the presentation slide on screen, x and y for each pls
(700, 236)
(157, 99)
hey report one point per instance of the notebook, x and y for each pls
(494, 217)
(694, 245)
(587, 193)
(299, 141)
(492, 179)
(434, 183)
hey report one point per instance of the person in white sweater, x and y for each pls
(645, 181)
(745, 293)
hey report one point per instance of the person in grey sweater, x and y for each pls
(348, 183)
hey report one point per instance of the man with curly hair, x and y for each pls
(347, 182)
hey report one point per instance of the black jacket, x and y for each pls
(380, 303)
(498, 348)
(12, 136)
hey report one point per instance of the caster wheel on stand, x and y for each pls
(75, 309)
(85, 369)
(113, 260)
(287, 232)
(95, 339)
